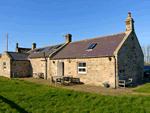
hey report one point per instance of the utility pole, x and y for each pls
(7, 42)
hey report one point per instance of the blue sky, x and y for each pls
(44, 21)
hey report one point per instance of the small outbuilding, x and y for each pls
(13, 64)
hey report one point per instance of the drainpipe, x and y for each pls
(45, 77)
(115, 71)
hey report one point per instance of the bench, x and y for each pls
(125, 83)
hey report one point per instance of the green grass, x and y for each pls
(143, 89)
(23, 96)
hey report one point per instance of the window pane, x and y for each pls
(57, 47)
(84, 70)
(80, 70)
(48, 48)
(92, 46)
(84, 64)
(80, 65)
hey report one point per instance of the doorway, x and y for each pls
(60, 68)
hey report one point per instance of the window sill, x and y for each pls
(82, 73)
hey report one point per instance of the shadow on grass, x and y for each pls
(13, 105)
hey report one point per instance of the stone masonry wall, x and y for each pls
(5, 58)
(37, 65)
(99, 70)
(22, 67)
(130, 59)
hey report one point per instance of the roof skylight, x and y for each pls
(92, 46)
(32, 51)
(48, 48)
(57, 47)
(39, 50)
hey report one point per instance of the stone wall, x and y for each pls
(130, 59)
(5, 58)
(22, 67)
(98, 70)
(38, 65)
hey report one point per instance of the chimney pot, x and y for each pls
(16, 45)
(68, 38)
(33, 46)
(129, 14)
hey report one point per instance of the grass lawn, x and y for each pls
(143, 89)
(23, 96)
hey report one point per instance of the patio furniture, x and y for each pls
(60, 79)
(66, 79)
(125, 82)
(76, 80)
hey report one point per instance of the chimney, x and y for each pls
(129, 14)
(68, 38)
(33, 46)
(129, 23)
(16, 45)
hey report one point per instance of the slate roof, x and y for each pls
(105, 47)
(41, 54)
(23, 50)
(18, 56)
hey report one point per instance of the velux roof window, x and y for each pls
(48, 48)
(92, 46)
(57, 47)
(39, 50)
(32, 51)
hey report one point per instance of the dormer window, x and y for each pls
(57, 47)
(92, 46)
(48, 48)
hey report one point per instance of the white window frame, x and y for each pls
(81, 68)
(4, 65)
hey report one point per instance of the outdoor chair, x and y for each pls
(125, 83)
(67, 79)
(58, 80)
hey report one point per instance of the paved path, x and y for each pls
(89, 88)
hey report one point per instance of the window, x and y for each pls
(4, 65)
(32, 51)
(57, 47)
(48, 48)
(92, 46)
(81, 67)
(39, 50)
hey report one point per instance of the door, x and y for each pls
(60, 68)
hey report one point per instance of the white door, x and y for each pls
(60, 68)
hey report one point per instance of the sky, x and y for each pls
(44, 21)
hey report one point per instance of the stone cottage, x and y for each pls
(95, 61)
(13, 64)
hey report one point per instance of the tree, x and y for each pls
(146, 52)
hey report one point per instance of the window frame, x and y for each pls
(81, 68)
(92, 46)
(48, 48)
(4, 66)
(57, 47)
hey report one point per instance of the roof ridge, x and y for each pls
(24, 48)
(16, 52)
(48, 46)
(99, 37)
